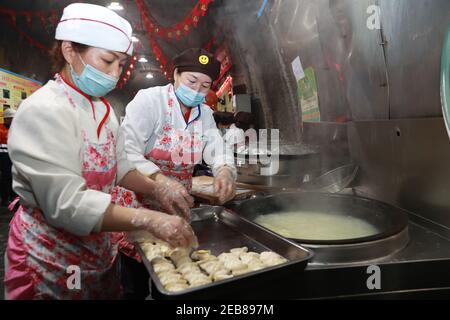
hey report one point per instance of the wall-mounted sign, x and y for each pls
(308, 97)
(297, 68)
(13, 89)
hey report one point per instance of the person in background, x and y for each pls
(7, 193)
(223, 120)
(68, 153)
(243, 120)
(236, 134)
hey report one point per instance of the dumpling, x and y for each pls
(183, 261)
(239, 251)
(237, 272)
(255, 265)
(202, 255)
(270, 258)
(249, 256)
(151, 252)
(163, 267)
(188, 268)
(224, 256)
(180, 257)
(222, 274)
(200, 282)
(165, 249)
(212, 266)
(176, 287)
(172, 278)
(197, 278)
(234, 264)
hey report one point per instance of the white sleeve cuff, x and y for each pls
(92, 209)
(123, 167)
(147, 168)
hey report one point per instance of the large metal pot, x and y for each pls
(287, 166)
(391, 223)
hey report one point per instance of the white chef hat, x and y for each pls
(95, 26)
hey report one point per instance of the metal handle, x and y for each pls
(445, 80)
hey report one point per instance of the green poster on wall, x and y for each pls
(308, 97)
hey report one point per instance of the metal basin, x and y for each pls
(285, 168)
(390, 222)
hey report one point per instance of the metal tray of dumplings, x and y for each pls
(220, 230)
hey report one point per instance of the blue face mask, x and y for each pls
(93, 82)
(190, 98)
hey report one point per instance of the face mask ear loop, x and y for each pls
(82, 61)
(72, 70)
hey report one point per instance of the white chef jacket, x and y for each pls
(145, 117)
(234, 135)
(45, 146)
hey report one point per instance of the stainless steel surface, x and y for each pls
(362, 74)
(285, 168)
(220, 230)
(405, 163)
(414, 31)
(332, 181)
(390, 222)
(369, 252)
(348, 58)
(427, 242)
(418, 269)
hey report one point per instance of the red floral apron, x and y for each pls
(39, 255)
(175, 152)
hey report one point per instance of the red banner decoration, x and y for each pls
(12, 15)
(223, 55)
(28, 17)
(209, 44)
(225, 86)
(54, 17)
(179, 29)
(126, 74)
(43, 16)
(176, 32)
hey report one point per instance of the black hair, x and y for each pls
(243, 120)
(224, 118)
(58, 60)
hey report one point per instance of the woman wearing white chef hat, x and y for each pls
(67, 155)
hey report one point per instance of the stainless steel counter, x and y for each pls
(420, 270)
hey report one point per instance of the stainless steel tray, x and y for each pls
(220, 230)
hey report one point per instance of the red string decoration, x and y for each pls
(126, 75)
(182, 28)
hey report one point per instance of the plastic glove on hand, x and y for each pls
(170, 228)
(173, 198)
(224, 184)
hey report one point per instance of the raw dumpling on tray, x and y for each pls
(178, 269)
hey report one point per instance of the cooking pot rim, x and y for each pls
(400, 220)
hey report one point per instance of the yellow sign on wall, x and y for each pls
(13, 89)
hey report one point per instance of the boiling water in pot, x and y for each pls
(316, 225)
